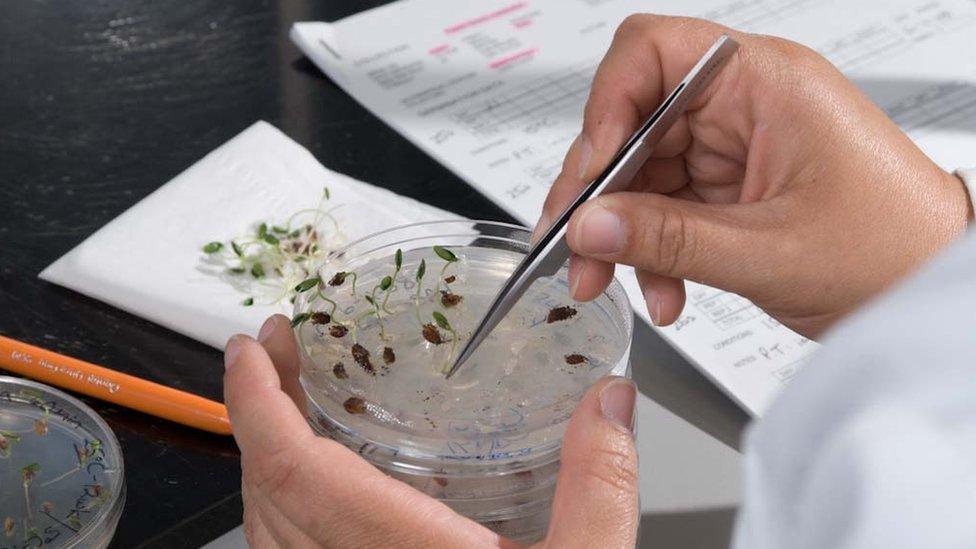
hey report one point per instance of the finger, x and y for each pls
(265, 419)
(291, 469)
(676, 238)
(588, 277)
(649, 55)
(278, 339)
(665, 297)
(596, 491)
(564, 190)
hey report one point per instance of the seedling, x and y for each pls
(83, 454)
(340, 278)
(7, 440)
(449, 299)
(443, 324)
(29, 472)
(397, 264)
(419, 279)
(321, 318)
(273, 258)
(449, 259)
(431, 334)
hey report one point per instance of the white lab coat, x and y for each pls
(873, 445)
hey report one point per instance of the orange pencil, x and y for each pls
(111, 386)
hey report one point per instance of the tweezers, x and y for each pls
(551, 252)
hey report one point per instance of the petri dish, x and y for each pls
(62, 481)
(485, 442)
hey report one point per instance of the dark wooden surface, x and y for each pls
(103, 101)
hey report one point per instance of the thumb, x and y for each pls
(672, 237)
(596, 492)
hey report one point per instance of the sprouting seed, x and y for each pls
(248, 302)
(271, 239)
(445, 254)
(321, 317)
(279, 230)
(238, 270)
(30, 471)
(361, 356)
(450, 300)
(238, 251)
(575, 359)
(421, 269)
(431, 334)
(398, 259)
(556, 314)
(441, 320)
(212, 247)
(338, 278)
(386, 283)
(257, 270)
(355, 405)
(307, 284)
(262, 230)
(299, 319)
(325, 192)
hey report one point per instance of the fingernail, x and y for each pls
(234, 346)
(617, 401)
(576, 267)
(600, 231)
(268, 328)
(585, 152)
(653, 306)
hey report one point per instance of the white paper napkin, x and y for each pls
(149, 262)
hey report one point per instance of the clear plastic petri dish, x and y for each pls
(381, 325)
(62, 479)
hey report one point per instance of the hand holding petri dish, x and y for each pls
(381, 324)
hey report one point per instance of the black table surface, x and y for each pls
(103, 101)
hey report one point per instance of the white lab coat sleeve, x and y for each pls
(873, 444)
(968, 176)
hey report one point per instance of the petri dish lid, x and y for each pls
(62, 479)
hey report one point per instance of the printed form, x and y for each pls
(495, 90)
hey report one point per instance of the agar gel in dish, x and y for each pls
(485, 441)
